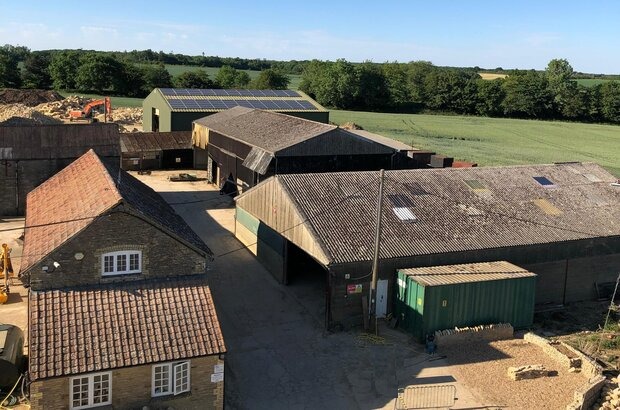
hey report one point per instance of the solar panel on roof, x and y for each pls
(176, 103)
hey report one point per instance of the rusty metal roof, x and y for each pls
(155, 141)
(58, 141)
(88, 329)
(465, 273)
(442, 202)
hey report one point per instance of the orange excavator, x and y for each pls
(86, 113)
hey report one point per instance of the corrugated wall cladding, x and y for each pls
(425, 309)
(336, 142)
(58, 141)
(271, 204)
(340, 208)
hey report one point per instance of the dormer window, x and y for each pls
(121, 263)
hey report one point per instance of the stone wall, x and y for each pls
(162, 255)
(570, 357)
(131, 388)
(457, 336)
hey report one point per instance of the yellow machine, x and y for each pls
(5, 269)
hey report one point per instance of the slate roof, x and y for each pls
(155, 141)
(92, 329)
(504, 209)
(87, 188)
(59, 141)
(466, 273)
(270, 131)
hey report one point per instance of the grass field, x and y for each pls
(116, 101)
(486, 141)
(492, 76)
(496, 141)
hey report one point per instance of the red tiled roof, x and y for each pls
(70, 200)
(79, 193)
(91, 329)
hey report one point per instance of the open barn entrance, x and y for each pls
(308, 280)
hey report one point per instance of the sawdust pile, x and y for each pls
(52, 108)
(351, 126)
(19, 114)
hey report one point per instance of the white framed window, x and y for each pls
(170, 378)
(121, 263)
(91, 390)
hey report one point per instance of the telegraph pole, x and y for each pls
(611, 304)
(372, 311)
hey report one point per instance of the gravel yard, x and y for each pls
(483, 368)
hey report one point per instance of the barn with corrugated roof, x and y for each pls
(248, 145)
(156, 150)
(558, 221)
(174, 109)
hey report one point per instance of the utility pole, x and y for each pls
(611, 304)
(372, 311)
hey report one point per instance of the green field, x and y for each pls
(486, 141)
(496, 141)
(175, 70)
(116, 101)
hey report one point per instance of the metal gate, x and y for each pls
(426, 397)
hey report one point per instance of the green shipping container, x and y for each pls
(444, 297)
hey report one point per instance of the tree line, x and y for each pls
(422, 87)
(101, 72)
(412, 87)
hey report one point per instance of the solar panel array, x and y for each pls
(193, 92)
(189, 104)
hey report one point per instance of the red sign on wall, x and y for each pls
(354, 288)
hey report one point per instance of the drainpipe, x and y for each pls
(565, 282)
(16, 187)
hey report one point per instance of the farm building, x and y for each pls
(120, 311)
(30, 154)
(557, 221)
(174, 109)
(250, 145)
(444, 297)
(156, 150)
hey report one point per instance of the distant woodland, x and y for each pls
(417, 86)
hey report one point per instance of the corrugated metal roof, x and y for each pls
(270, 131)
(155, 141)
(258, 160)
(506, 216)
(465, 273)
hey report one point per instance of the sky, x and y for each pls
(516, 34)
